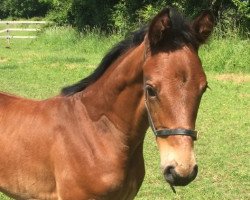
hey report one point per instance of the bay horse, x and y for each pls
(87, 143)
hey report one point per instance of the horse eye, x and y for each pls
(151, 91)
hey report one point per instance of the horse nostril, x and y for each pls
(169, 174)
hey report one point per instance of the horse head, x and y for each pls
(174, 82)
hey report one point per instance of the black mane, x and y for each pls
(135, 39)
(181, 34)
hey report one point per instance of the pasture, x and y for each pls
(60, 56)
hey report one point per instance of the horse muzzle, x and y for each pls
(176, 179)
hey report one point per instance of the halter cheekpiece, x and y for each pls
(169, 132)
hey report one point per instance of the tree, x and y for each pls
(24, 8)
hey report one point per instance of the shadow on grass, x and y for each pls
(8, 67)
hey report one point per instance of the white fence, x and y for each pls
(8, 30)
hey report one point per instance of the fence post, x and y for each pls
(8, 36)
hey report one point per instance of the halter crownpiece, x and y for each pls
(168, 132)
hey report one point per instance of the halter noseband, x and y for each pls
(168, 132)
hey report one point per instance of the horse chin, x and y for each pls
(172, 185)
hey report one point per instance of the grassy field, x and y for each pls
(39, 68)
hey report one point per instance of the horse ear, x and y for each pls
(203, 25)
(159, 27)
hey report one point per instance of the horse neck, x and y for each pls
(118, 96)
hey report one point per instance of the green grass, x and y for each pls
(58, 52)
(226, 55)
(39, 68)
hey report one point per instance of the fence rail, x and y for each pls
(23, 22)
(18, 37)
(18, 29)
(8, 31)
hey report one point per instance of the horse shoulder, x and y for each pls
(93, 152)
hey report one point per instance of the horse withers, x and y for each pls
(87, 143)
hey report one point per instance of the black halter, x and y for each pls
(168, 132)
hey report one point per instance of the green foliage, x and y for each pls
(125, 15)
(92, 13)
(242, 7)
(120, 17)
(243, 12)
(148, 11)
(129, 15)
(23, 8)
(60, 12)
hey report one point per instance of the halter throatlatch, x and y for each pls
(168, 132)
